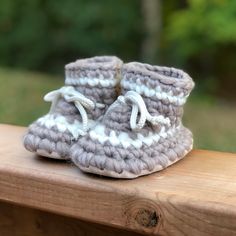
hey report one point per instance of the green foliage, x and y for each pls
(203, 27)
(44, 35)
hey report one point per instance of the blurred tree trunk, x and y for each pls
(151, 10)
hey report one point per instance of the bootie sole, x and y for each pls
(181, 144)
(52, 155)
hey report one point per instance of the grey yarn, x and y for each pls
(108, 159)
(57, 144)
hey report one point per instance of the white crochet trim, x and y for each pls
(76, 128)
(110, 82)
(98, 134)
(157, 92)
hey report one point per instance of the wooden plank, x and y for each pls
(19, 221)
(196, 196)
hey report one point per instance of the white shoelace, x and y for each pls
(71, 95)
(139, 107)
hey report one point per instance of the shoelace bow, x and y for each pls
(139, 107)
(71, 95)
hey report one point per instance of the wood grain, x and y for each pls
(196, 196)
(22, 221)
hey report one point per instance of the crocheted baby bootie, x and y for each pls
(142, 131)
(90, 87)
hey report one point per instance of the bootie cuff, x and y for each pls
(103, 70)
(169, 84)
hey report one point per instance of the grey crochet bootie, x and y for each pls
(90, 87)
(142, 131)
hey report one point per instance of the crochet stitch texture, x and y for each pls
(142, 131)
(90, 87)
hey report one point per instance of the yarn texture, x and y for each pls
(90, 88)
(142, 131)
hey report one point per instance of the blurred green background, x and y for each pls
(38, 37)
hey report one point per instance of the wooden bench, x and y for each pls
(39, 196)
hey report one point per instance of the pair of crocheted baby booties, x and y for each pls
(126, 136)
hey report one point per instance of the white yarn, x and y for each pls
(59, 121)
(122, 138)
(71, 95)
(157, 92)
(110, 82)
